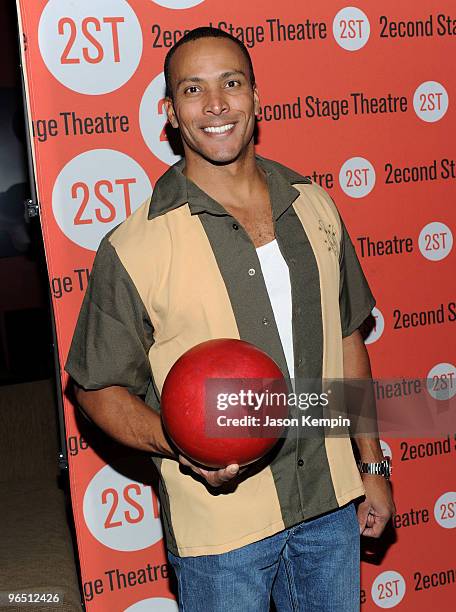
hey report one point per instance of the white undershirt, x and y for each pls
(277, 279)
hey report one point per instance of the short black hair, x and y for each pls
(196, 34)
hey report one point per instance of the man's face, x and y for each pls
(214, 105)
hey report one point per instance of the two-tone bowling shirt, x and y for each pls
(181, 270)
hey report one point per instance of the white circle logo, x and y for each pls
(445, 510)
(351, 28)
(90, 47)
(357, 177)
(435, 241)
(157, 604)
(386, 449)
(430, 101)
(153, 119)
(378, 328)
(441, 381)
(121, 513)
(178, 4)
(388, 589)
(94, 192)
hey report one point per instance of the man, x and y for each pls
(233, 245)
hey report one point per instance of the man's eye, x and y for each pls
(191, 89)
(233, 83)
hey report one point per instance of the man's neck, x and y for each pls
(235, 182)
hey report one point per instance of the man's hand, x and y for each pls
(215, 478)
(378, 507)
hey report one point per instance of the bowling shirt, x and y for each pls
(181, 270)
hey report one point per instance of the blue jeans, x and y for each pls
(311, 567)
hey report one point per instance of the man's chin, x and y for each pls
(222, 158)
(221, 155)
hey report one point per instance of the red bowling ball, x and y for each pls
(192, 408)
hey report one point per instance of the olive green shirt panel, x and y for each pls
(313, 477)
(113, 333)
(165, 507)
(305, 291)
(355, 298)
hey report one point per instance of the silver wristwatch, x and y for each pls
(381, 468)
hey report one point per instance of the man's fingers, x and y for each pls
(213, 477)
(374, 526)
(363, 513)
(374, 531)
(184, 461)
(222, 476)
(232, 469)
(370, 532)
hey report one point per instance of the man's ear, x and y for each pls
(169, 108)
(256, 100)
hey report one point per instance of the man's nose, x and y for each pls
(215, 102)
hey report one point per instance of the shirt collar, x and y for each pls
(174, 189)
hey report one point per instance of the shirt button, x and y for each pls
(265, 321)
(299, 310)
(252, 272)
(300, 462)
(300, 360)
(235, 226)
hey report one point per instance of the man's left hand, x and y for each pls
(378, 507)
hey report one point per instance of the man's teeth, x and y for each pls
(220, 129)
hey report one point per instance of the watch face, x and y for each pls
(386, 468)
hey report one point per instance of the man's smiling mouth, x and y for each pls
(219, 129)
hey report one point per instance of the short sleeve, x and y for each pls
(355, 297)
(113, 333)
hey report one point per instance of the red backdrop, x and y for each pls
(362, 100)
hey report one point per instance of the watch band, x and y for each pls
(379, 468)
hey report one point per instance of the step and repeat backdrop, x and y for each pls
(360, 98)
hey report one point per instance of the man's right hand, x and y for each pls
(127, 419)
(215, 478)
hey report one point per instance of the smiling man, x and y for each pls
(232, 245)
